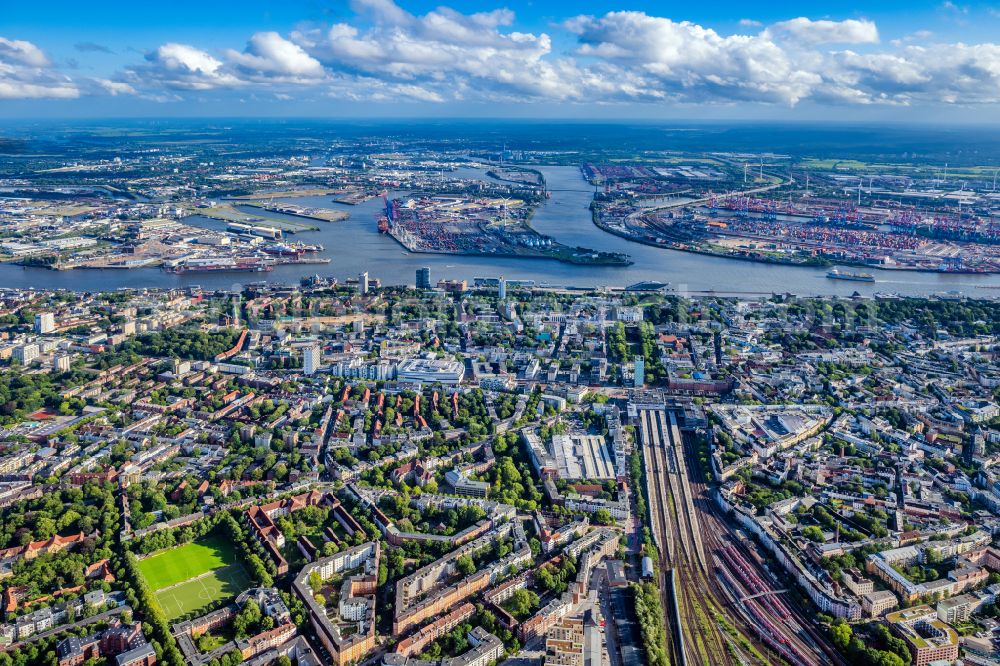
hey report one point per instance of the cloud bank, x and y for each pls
(384, 52)
(26, 73)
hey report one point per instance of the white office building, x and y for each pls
(312, 357)
(430, 371)
(25, 354)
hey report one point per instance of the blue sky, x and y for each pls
(911, 61)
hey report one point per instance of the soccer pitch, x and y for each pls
(182, 563)
(191, 576)
(182, 598)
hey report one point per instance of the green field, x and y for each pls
(182, 563)
(191, 576)
(183, 598)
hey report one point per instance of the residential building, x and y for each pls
(928, 638)
(424, 277)
(45, 322)
(311, 359)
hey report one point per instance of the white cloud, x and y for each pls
(187, 59)
(267, 59)
(22, 53)
(183, 66)
(949, 73)
(13, 89)
(812, 32)
(382, 10)
(26, 73)
(418, 93)
(268, 53)
(687, 62)
(115, 88)
(444, 55)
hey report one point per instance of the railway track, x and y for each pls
(711, 614)
(662, 536)
(697, 639)
(794, 625)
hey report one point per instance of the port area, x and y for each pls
(227, 211)
(350, 195)
(355, 197)
(517, 175)
(171, 244)
(320, 214)
(484, 226)
(290, 193)
(808, 232)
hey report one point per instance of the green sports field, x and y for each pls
(191, 595)
(191, 576)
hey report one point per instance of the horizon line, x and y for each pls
(508, 120)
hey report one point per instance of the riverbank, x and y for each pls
(355, 246)
(576, 256)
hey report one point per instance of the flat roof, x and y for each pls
(583, 457)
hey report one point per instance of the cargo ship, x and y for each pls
(234, 265)
(836, 274)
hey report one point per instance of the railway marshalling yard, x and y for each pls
(721, 606)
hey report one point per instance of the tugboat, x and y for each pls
(836, 274)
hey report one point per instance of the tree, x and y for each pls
(883, 658)
(383, 573)
(813, 533)
(465, 565)
(522, 603)
(602, 517)
(841, 634)
(246, 621)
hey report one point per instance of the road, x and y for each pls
(610, 627)
(62, 628)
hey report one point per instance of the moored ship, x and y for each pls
(283, 250)
(235, 265)
(837, 274)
